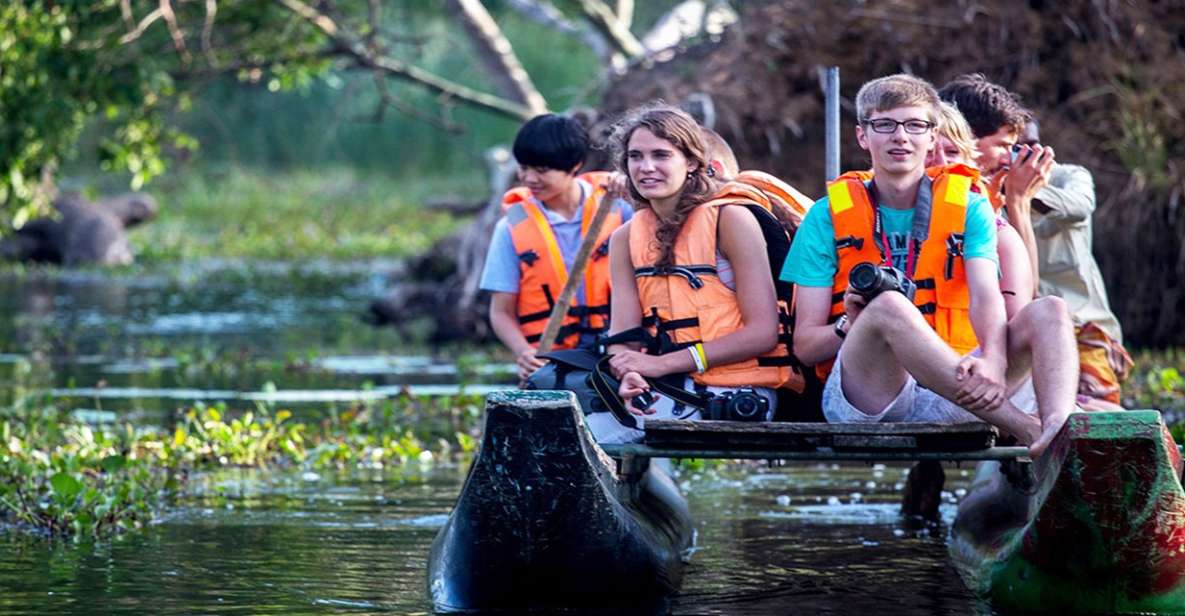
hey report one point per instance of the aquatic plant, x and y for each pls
(60, 476)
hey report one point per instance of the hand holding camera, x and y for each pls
(1029, 171)
(869, 280)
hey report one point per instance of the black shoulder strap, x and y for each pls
(607, 386)
(777, 246)
(634, 334)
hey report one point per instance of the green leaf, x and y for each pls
(65, 486)
(113, 464)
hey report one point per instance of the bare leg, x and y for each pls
(1041, 335)
(891, 338)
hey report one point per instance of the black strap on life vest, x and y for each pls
(581, 313)
(691, 272)
(850, 241)
(954, 250)
(530, 257)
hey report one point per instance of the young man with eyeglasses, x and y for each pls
(948, 354)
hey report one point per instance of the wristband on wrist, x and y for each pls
(839, 327)
(703, 357)
(699, 363)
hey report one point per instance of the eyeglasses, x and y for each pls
(887, 126)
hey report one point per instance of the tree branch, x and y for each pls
(350, 45)
(546, 13)
(208, 30)
(175, 32)
(605, 21)
(625, 12)
(387, 99)
(125, 11)
(148, 20)
(495, 52)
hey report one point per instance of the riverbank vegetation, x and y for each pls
(333, 213)
(68, 474)
(62, 476)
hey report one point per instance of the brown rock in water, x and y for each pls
(83, 233)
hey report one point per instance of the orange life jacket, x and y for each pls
(942, 293)
(687, 303)
(778, 192)
(979, 185)
(543, 272)
(599, 180)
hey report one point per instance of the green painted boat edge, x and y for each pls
(1001, 572)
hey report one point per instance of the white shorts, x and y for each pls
(913, 403)
(606, 429)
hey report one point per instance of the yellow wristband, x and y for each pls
(699, 350)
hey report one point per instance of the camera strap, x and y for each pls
(881, 237)
(607, 387)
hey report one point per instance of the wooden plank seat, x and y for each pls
(807, 436)
(818, 441)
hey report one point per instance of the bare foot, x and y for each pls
(1049, 429)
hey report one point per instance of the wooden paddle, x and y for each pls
(575, 275)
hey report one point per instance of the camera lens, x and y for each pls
(864, 277)
(746, 406)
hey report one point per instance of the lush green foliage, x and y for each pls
(61, 476)
(67, 62)
(1157, 382)
(62, 64)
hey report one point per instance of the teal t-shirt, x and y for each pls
(812, 261)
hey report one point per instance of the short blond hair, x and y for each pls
(953, 126)
(895, 91)
(721, 152)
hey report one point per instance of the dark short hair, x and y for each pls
(551, 141)
(988, 107)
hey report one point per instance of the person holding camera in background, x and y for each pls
(1050, 204)
(1061, 220)
(1015, 172)
(947, 353)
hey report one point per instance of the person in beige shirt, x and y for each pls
(1061, 214)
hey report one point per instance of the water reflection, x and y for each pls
(148, 342)
(804, 539)
(357, 543)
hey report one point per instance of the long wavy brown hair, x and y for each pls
(682, 131)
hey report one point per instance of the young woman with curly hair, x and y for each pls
(692, 270)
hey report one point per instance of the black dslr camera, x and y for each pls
(739, 405)
(869, 280)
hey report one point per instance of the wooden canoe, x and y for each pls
(1095, 525)
(547, 521)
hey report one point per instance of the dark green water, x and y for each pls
(799, 539)
(804, 539)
